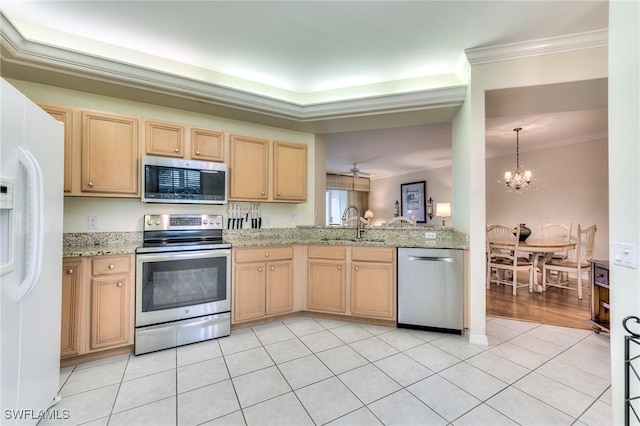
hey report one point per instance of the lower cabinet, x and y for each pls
(370, 284)
(262, 282)
(97, 304)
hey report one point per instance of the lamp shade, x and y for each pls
(443, 209)
(368, 214)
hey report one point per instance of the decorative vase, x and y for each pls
(524, 232)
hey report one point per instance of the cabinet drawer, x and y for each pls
(110, 265)
(327, 252)
(601, 275)
(373, 254)
(263, 254)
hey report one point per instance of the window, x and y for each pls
(337, 201)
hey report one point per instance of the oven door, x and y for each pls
(179, 285)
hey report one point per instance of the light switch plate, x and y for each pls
(430, 235)
(624, 254)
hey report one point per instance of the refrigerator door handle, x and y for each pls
(34, 246)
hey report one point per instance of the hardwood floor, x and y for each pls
(555, 306)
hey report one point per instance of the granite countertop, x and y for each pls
(113, 243)
(100, 243)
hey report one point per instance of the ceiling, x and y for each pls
(391, 71)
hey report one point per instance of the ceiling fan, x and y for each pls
(355, 172)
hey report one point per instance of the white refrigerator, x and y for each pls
(31, 204)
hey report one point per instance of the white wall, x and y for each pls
(117, 215)
(468, 171)
(384, 192)
(570, 185)
(624, 182)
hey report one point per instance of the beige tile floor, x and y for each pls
(312, 371)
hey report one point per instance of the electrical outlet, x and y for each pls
(92, 222)
(430, 235)
(266, 221)
(294, 217)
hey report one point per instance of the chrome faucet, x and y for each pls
(359, 229)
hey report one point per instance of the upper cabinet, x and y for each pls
(289, 171)
(164, 139)
(171, 140)
(109, 154)
(258, 176)
(207, 145)
(65, 116)
(248, 168)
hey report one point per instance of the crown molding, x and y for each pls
(543, 46)
(16, 50)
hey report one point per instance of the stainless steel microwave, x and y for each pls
(173, 180)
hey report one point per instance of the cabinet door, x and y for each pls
(279, 287)
(326, 286)
(373, 290)
(248, 291)
(207, 145)
(289, 171)
(110, 307)
(70, 343)
(109, 154)
(64, 115)
(248, 168)
(164, 139)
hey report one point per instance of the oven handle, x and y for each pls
(196, 322)
(196, 254)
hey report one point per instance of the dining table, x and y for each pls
(542, 251)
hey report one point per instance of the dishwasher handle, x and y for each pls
(431, 258)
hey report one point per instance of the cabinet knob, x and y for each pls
(278, 193)
(176, 150)
(266, 255)
(357, 269)
(260, 269)
(111, 266)
(272, 268)
(69, 271)
(262, 193)
(119, 284)
(339, 267)
(90, 184)
(197, 152)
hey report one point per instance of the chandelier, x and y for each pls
(517, 178)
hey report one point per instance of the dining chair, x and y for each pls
(401, 221)
(557, 231)
(585, 239)
(502, 256)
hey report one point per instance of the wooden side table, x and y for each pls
(600, 295)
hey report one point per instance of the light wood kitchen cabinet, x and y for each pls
(70, 342)
(110, 154)
(165, 139)
(262, 282)
(175, 140)
(257, 164)
(207, 145)
(65, 116)
(367, 290)
(373, 282)
(326, 279)
(289, 171)
(248, 168)
(97, 304)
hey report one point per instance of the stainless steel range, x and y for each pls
(183, 282)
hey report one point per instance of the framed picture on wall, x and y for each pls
(412, 201)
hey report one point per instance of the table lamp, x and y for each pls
(443, 210)
(368, 215)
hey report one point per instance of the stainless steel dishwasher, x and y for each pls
(430, 287)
